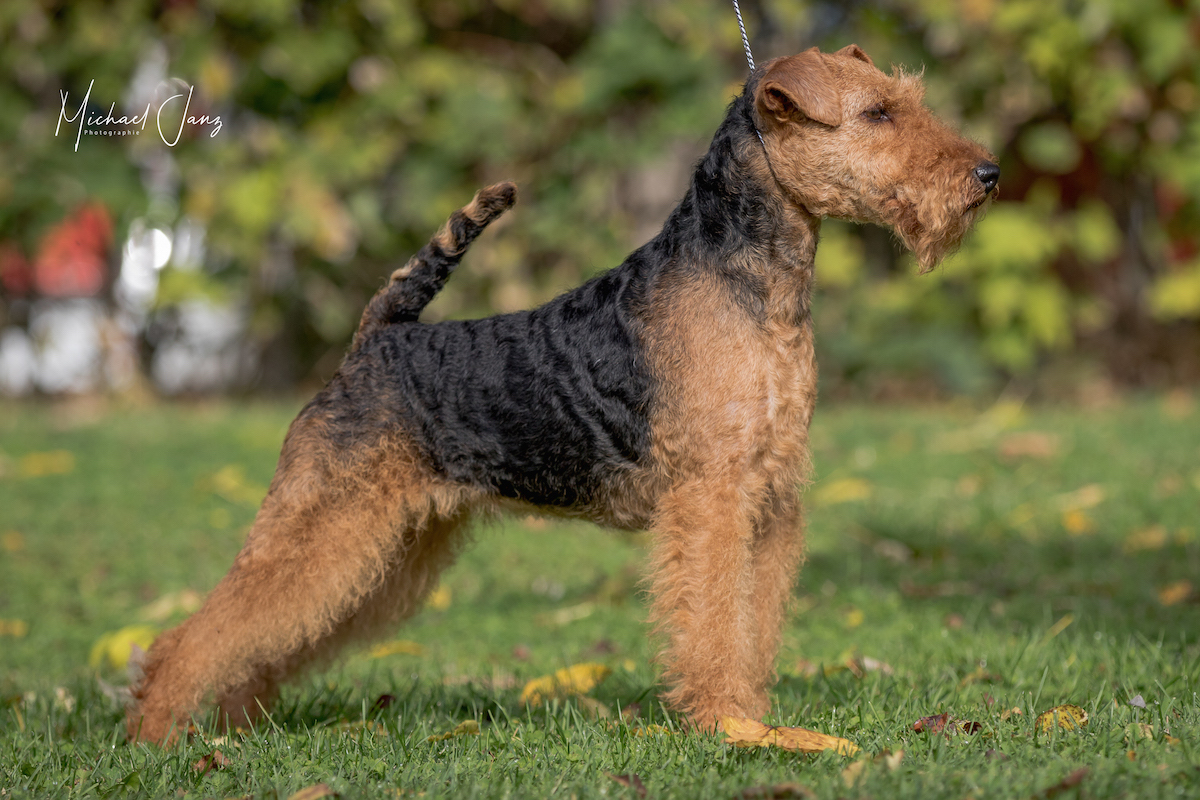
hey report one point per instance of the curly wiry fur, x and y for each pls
(673, 392)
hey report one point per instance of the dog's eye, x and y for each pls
(876, 114)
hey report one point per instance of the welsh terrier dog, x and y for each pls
(672, 393)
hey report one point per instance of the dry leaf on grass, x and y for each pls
(886, 759)
(1077, 523)
(1135, 731)
(890, 760)
(1174, 593)
(185, 601)
(565, 616)
(15, 628)
(863, 664)
(1081, 499)
(230, 483)
(397, 647)
(1152, 538)
(852, 773)
(1030, 444)
(314, 792)
(440, 598)
(630, 780)
(1067, 717)
(116, 647)
(12, 542)
(214, 760)
(53, 462)
(744, 732)
(574, 680)
(845, 490)
(944, 723)
(467, 727)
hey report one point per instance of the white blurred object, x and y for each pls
(17, 362)
(146, 251)
(66, 344)
(206, 354)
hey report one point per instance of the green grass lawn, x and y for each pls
(980, 561)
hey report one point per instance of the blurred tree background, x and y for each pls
(349, 130)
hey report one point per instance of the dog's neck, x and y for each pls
(737, 221)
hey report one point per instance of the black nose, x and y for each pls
(989, 175)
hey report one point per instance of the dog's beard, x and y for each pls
(933, 234)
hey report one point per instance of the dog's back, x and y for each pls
(541, 406)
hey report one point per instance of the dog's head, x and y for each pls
(846, 140)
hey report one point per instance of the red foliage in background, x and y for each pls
(72, 260)
(16, 274)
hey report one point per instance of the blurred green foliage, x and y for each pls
(350, 130)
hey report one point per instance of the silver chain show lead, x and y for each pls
(750, 60)
(745, 39)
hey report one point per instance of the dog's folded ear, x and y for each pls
(800, 87)
(854, 51)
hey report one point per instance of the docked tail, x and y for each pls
(414, 285)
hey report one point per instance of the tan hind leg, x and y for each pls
(426, 551)
(328, 534)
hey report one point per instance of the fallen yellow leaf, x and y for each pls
(1174, 593)
(397, 647)
(845, 490)
(1066, 717)
(1138, 730)
(467, 727)
(314, 792)
(230, 483)
(15, 628)
(565, 616)
(1077, 523)
(185, 601)
(577, 679)
(1030, 444)
(214, 760)
(891, 760)
(852, 773)
(439, 598)
(115, 647)
(53, 462)
(1082, 498)
(12, 541)
(744, 732)
(1152, 538)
